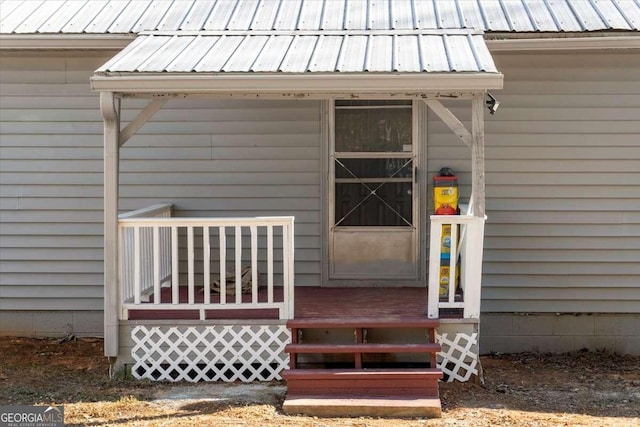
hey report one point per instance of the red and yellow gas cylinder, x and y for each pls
(445, 194)
(445, 201)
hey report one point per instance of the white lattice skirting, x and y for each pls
(210, 353)
(458, 359)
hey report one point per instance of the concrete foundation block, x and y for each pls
(533, 325)
(628, 345)
(601, 342)
(551, 332)
(617, 324)
(497, 324)
(570, 324)
(511, 344)
(552, 344)
(16, 323)
(52, 323)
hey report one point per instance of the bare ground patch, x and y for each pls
(574, 389)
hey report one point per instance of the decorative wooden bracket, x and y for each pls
(152, 107)
(450, 120)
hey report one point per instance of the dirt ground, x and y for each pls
(575, 389)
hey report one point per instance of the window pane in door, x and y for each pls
(373, 130)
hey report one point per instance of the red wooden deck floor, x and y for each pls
(310, 302)
(316, 302)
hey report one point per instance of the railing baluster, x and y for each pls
(254, 264)
(190, 261)
(270, 263)
(175, 273)
(166, 252)
(285, 270)
(124, 268)
(434, 270)
(136, 265)
(206, 248)
(146, 251)
(453, 263)
(223, 265)
(156, 266)
(473, 267)
(463, 234)
(238, 264)
(290, 268)
(143, 266)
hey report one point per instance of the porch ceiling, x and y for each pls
(305, 62)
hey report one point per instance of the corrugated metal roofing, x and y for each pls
(409, 53)
(133, 16)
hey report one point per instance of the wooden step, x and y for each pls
(389, 406)
(363, 382)
(361, 348)
(362, 322)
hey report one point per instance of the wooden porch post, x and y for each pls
(109, 107)
(475, 233)
(477, 155)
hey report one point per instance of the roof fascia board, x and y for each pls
(295, 83)
(443, 94)
(64, 41)
(563, 43)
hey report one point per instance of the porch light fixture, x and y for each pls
(492, 104)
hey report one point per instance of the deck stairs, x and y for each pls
(349, 367)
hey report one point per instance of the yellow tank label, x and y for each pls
(445, 196)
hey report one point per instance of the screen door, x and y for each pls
(373, 209)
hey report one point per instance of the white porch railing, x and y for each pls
(137, 277)
(161, 252)
(465, 257)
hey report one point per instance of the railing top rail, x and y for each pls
(147, 212)
(455, 219)
(199, 222)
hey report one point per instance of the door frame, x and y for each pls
(419, 132)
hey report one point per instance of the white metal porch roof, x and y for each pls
(306, 62)
(135, 16)
(274, 52)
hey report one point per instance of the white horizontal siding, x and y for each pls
(50, 215)
(209, 157)
(563, 183)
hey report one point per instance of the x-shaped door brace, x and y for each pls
(373, 192)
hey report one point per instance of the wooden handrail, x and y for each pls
(148, 212)
(201, 222)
